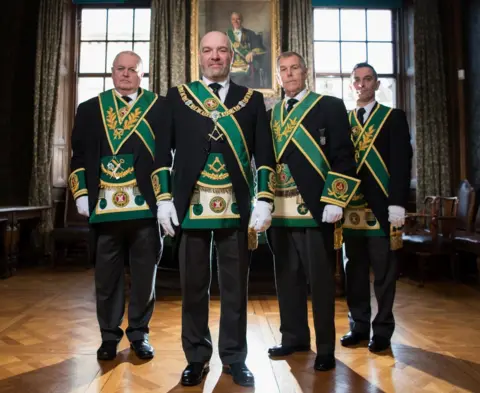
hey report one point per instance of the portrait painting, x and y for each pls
(253, 31)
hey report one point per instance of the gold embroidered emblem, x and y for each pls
(128, 124)
(354, 218)
(236, 44)
(74, 183)
(156, 185)
(366, 139)
(211, 103)
(339, 189)
(120, 199)
(355, 131)
(285, 131)
(272, 182)
(217, 204)
(216, 167)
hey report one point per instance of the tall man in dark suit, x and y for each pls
(214, 127)
(113, 144)
(376, 215)
(248, 52)
(315, 169)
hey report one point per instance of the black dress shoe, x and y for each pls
(108, 350)
(353, 338)
(378, 344)
(142, 349)
(241, 374)
(284, 350)
(194, 373)
(324, 362)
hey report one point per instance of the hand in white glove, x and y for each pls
(166, 215)
(261, 216)
(82, 206)
(332, 213)
(396, 216)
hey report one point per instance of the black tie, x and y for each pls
(360, 113)
(215, 88)
(290, 104)
(127, 98)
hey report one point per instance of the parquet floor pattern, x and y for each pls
(49, 337)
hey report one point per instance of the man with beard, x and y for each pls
(213, 128)
(113, 147)
(376, 215)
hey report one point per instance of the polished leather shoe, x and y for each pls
(378, 344)
(108, 350)
(194, 373)
(241, 374)
(142, 349)
(284, 350)
(324, 362)
(353, 338)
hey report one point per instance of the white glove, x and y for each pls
(332, 213)
(166, 215)
(261, 217)
(396, 216)
(82, 206)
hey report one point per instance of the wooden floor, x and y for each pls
(49, 337)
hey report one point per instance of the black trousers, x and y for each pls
(195, 274)
(363, 252)
(140, 241)
(302, 256)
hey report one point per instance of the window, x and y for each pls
(344, 37)
(103, 33)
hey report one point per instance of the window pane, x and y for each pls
(379, 25)
(327, 57)
(380, 56)
(329, 86)
(353, 25)
(142, 24)
(113, 49)
(144, 83)
(92, 57)
(108, 83)
(352, 53)
(88, 88)
(120, 24)
(326, 24)
(94, 24)
(142, 49)
(387, 92)
(348, 96)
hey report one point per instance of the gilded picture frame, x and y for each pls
(253, 28)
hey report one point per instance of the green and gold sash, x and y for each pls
(364, 138)
(225, 122)
(289, 128)
(121, 120)
(238, 48)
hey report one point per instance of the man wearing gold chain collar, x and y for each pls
(376, 214)
(315, 169)
(214, 127)
(113, 143)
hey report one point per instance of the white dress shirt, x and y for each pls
(368, 109)
(298, 97)
(133, 96)
(223, 90)
(238, 35)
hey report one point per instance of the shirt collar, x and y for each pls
(368, 108)
(133, 96)
(299, 96)
(224, 83)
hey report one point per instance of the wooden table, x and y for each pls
(10, 218)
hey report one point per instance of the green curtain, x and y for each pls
(168, 44)
(49, 37)
(431, 133)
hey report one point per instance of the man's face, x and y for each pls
(215, 56)
(291, 76)
(126, 73)
(364, 84)
(236, 21)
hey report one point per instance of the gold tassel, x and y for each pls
(338, 235)
(252, 239)
(396, 240)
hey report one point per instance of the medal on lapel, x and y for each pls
(323, 138)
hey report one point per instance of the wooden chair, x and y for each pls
(430, 233)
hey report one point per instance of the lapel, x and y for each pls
(235, 94)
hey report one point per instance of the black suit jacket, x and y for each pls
(88, 137)
(393, 144)
(186, 137)
(329, 115)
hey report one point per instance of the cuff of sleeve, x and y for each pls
(266, 183)
(339, 189)
(161, 184)
(77, 183)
